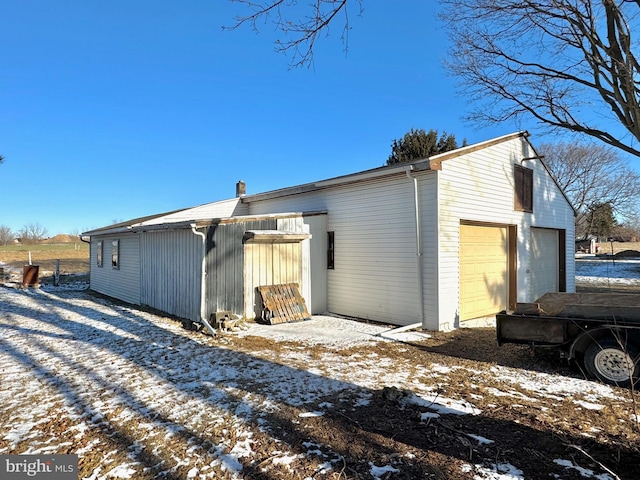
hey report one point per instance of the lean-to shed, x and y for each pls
(194, 268)
(445, 242)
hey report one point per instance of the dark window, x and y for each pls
(99, 253)
(115, 254)
(523, 189)
(330, 250)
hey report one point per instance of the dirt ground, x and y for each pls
(388, 429)
(524, 429)
(530, 427)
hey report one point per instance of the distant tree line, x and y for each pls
(29, 234)
(600, 185)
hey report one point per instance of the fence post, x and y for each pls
(56, 274)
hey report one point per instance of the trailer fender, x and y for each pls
(582, 341)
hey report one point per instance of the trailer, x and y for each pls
(601, 331)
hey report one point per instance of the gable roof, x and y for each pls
(430, 163)
(233, 207)
(182, 217)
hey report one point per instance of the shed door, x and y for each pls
(544, 261)
(269, 264)
(483, 270)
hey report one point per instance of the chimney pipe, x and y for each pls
(241, 189)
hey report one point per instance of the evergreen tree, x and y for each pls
(602, 221)
(418, 144)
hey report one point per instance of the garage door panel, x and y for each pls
(483, 270)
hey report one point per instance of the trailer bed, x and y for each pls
(601, 331)
(557, 318)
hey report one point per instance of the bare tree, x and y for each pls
(32, 233)
(629, 230)
(569, 64)
(593, 175)
(6, 235)
(300, 26)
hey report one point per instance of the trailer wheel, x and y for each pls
(610, 362)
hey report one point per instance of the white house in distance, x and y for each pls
(447, 241)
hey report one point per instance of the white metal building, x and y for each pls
(445, 241)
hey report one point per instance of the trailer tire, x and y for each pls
(610, 362)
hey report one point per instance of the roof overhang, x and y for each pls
(274, 236)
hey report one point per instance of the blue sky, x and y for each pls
(113, 110)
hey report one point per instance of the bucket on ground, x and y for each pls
(30, 274)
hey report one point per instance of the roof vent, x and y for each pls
(241, 189)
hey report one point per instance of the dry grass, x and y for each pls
(74, 257)
(619, 247)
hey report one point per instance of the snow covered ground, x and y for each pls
(612, 271)
(137, 396)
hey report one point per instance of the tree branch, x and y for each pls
(561, 62)
(300, 30)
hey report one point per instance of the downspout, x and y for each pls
(203, 286)
(420, 269)
(420, 280)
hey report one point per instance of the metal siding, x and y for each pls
(225, 262)
(222, 209)
(171, 270)
(122, 283)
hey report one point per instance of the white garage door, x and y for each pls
(544, 261)
(483, 270)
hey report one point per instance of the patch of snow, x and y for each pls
(444, 406)
(286, 460)
(440, 368)
(617, 271)
(554, 386)
(500, 471)
(589, 405)
(427, 415)
(310, 414)
(584, 472)
(122, 471)
(479, 439)
(378, 472)
(511, 393)
(319, 330)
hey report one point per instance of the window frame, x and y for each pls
(115, 254)
(99, 253)
(331, 259)
(522, 189)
